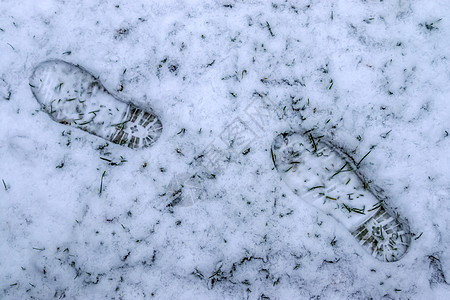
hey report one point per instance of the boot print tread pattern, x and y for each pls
(74, 97)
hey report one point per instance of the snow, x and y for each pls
(370, 75)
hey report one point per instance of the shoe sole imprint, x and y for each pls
(321, 174)
(73, 96)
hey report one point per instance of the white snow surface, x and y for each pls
(368, 75)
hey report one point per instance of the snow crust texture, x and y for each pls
(203, 213)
